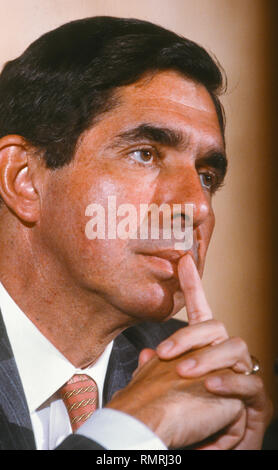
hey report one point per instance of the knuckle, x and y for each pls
(195, 315)
(218, 331)
(213, 323)
(240, 344)
(221, 328)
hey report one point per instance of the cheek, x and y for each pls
(106, 266)
(108, 192)
(79, 198)
(204, 233)
(209, 226)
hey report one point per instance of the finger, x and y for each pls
(144, 356)
(228, 438)
(249, 388)
(232, 353)
(191, 338)
(197, 307)
(251, 391)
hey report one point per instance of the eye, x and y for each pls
(208, 180)
(144, 156)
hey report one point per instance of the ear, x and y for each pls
(16, 178)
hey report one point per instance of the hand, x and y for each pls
(258, 407)
(180, 411)
(212, 349)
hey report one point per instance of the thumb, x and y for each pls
(144, 356)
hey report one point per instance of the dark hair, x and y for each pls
(66, 78)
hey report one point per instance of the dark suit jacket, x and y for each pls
(15, 424)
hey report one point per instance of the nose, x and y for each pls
(183, 186)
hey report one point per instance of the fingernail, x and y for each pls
(187, 365)
(214, 382)
(165, 347)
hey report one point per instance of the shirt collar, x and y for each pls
(42, 368)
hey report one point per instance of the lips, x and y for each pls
(169, 253)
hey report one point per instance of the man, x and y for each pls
(114, 108)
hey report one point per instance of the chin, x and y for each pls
(154, 302)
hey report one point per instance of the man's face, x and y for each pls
(162, 144)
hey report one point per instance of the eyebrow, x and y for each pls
(172, 138)
(162, 135)
(217, 160)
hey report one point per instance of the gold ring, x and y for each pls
(255, 366)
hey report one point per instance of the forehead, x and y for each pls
(167, 99)
(170, 88)
(164, 100)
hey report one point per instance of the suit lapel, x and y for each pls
(16, 428)
(15, 423)
(122, 363)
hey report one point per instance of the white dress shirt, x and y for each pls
(43, 370)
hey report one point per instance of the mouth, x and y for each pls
(165, 261)
(171, 254)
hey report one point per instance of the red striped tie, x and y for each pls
(80, 396)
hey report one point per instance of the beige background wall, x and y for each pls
(239, 278)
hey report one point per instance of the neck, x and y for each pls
(78, 322)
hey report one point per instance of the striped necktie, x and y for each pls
(80, 395)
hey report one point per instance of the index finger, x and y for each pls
(196, 304)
